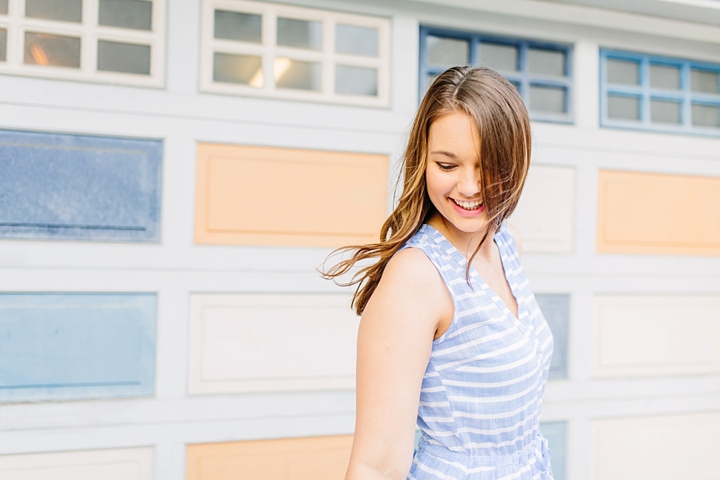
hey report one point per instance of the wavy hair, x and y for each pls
(505, 145)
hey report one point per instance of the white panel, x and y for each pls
(642, 335)
(271, 342)
(657, 448)
(121, 464)
(546, 210)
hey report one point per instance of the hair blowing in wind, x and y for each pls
(505, 146)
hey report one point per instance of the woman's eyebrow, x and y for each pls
(443, 152)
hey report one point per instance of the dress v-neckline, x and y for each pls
(477, 278)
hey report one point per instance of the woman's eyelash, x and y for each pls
(445, 166)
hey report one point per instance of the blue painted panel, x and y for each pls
(76, 346)
(556, 308)
(556, 434)
(79, 187)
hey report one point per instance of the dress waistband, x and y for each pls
(539, 448)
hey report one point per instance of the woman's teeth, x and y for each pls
(467, 205)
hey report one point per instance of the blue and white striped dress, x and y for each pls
(482, 390)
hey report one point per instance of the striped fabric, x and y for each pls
(482, 390)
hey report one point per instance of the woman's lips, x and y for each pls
(474, 207)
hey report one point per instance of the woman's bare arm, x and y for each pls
(394, 343)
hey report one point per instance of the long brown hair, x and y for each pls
(505, 143)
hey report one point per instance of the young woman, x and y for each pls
(451, 336)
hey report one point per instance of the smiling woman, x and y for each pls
(451, 335)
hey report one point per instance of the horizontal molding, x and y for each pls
(545, 214)
(279, 196)
(286, 459)
(64, 346)
(655, 335)
(117, 464)
(556, 309)
(58, 186)
(651, 213)
(661, 447)
(261, 342)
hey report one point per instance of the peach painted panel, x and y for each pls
(271, 342)
(656, 335)
(287, 459)
(546, 211)
(658, 214)
(657, 448)
(280, 196)
(119, 464)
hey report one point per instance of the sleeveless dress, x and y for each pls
(482, 390)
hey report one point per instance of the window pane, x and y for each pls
(123, 57)
(242, 69)
(663, 111)
(299, 33)
(706, 115)
(447, 51)
(3, 45)
(299, 75)
(55, 50)
(663, 76)
(499, 57)
(242, 27)
(547, 99)
(3, 7)
(546, 62)
(135, 14)
(703, 81)
(356, 80)
(63, 10)
(623, 108)
(356, 40)
(623, 72)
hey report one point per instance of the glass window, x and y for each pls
(356, 80)
(704, 81)
(547, 99)
(663, 76)
(242, 27)
(133, 14)
(499, 57)
(664, 111)
(123, 57)
(546, 62)
(623, 72)
(3, 44)
(356, 40)
(122, 35)
(659, 93)
(622, 107)
(52, 50)
(290, 52)
(447, 51)
(706, 115)
(242, 69)
(541, 72)
(298, 75)
(3, 7)
(61, 10)
(299, 33)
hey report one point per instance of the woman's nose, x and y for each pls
(469, 184)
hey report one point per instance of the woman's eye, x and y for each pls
(445, 166)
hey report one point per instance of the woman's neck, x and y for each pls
(465, 242)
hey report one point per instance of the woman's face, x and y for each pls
(453, 172)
